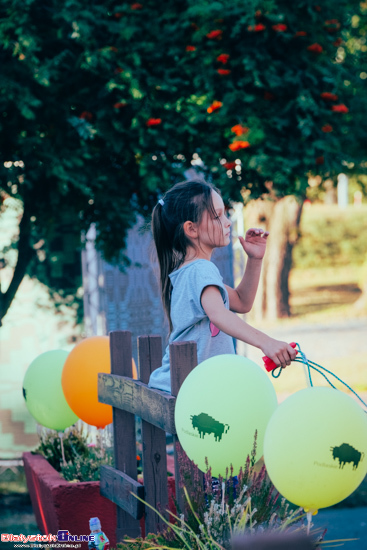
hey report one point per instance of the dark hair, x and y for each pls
(185, 201)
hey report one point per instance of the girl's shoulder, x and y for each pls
(198, 265)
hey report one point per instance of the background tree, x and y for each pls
(105, 106)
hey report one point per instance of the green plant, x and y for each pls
(82, 459)
(75, 444)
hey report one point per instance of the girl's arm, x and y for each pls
(227, 321)
(241, 299)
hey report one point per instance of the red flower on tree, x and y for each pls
(86, 115)
(237, 145)
(136, 6)
(223, 72)
(317, 8)
(327, 128)
(153, 121)
(120, 104)
(332, 25)
(119, 70)
(340, 108)
(223, 58)
(229, 165)
(190, 48)
(117, 15)
(315, 48)
(257, 28)
(328, 96)
(214, 106)
(300, 33)
(215, 34)
(194, 26)
(319, 160)
(338, 42)
(280, 27)
(239, 129)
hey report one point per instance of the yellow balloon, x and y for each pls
(80, 380)
(315, 447)
(220, 405)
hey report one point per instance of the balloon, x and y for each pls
(80, 380)
(220, 405)
(135, 370)
(43, 393)
(315, 447)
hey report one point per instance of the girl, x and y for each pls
(187, 224)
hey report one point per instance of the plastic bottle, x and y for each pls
(100, 542)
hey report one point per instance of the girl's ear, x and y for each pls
(190, 229)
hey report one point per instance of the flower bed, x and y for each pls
(59, 504)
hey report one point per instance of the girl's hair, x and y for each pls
(185, 201)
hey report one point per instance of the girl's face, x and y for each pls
(215, 232)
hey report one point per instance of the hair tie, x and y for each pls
(161, 201)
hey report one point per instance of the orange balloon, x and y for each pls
(135, 371)
(80, 380)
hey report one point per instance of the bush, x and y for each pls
(331, 237)
(82, 459)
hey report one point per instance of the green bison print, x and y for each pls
(206, 424)
(346, 453)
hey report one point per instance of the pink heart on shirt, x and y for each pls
(214, 330)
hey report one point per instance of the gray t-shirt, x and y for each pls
(189, 319)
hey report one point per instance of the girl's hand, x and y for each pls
(280, 352)
(254, 243)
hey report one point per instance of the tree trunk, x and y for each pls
(281, 218)
(25, 253)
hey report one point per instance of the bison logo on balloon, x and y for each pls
(206, 424)
(346, 453)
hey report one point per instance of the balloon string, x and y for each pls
(312, 365)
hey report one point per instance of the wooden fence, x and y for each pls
(130, 397)
(156, 409)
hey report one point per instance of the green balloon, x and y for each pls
(220, 405)
(43, 394)
(315, 447)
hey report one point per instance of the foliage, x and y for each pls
(75, 443)
(82, 459)
(104, 106)
(331, 236)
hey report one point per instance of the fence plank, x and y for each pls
(154, 441)
(124, 428)
(183, 359)
(118, 487)
(154, 406)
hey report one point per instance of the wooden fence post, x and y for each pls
(183, 359)
(124, 436)
(154, 441)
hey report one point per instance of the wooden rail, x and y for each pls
(130, 398)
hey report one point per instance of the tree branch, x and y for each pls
(25, 253)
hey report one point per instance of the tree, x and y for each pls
(105, 106)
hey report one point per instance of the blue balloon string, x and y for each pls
(312, 365)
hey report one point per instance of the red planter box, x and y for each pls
(61, 505)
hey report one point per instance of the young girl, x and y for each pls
(187, 224)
